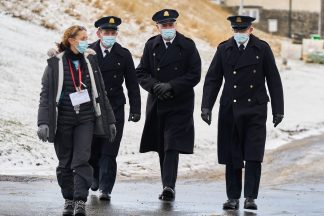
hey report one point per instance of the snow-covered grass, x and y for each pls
(23, 59)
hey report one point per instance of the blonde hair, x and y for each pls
(70, 32)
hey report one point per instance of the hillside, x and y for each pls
(200, 20)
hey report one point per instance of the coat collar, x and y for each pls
(249, 57)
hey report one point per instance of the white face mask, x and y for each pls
(241, 38)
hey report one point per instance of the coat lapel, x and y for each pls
(172, 54)
(97, 48)
(250, 55)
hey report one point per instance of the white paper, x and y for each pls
(80, 97)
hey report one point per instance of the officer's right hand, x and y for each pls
(112, 132)
(43, 132)
(206, 115)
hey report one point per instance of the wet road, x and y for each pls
(42, 197)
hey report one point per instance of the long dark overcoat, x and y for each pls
(169, 124)
(243, 103)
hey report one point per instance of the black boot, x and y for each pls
(68, 208)
(168, 194)
(104, 196)
(249, 203)
(95, 184)
(79, 209)
(231, 204)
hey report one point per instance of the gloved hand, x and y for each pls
(167, 96)
(112, 132)
(134, 117)
(277, 118)
(161, 88)
(206, 115)
(43, 132)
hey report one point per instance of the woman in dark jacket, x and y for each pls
(74, 106)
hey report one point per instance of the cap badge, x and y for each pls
(166, 13)
(111, 21)
(238, 20)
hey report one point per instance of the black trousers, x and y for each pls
(169, 161)
(251, 180)
(104, 153)
(73, 146)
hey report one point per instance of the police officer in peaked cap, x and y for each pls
(245, 63)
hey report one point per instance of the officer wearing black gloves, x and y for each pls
(245, 63)
(116, 66)
(169, 69)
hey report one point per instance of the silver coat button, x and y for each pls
(235, 86)
(158, 69)
(234, 100)
(254, 71)
(249, 100)
(115, 76)
(251, 86)
(234, 72)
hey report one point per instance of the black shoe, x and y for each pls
(250, 204)
(68, 208)
(231, 204)
(168, 194)
(104, 196)
(95, 184)
(79, 209)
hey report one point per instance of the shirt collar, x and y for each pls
(103, 48)
(245, 44)
(171, 41)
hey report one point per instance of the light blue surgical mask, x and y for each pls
(168, 34)
(241, 38)
(108, 41)
(82, 46)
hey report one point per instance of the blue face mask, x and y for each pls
(82, 46)
(108, 41)
(241, 38)
(168, 34)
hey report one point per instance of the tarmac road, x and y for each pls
(42, 197)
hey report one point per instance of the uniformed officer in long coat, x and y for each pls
(169, 69)
(245, 63)
(116, 66)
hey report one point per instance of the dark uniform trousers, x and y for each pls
(169, 161)
(251, 180)
(73, 147)
(103, 159)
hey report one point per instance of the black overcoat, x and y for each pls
(169, 124)
(243, 103)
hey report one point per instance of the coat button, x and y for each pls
(234, 72)
(153, 54)
(249, 100)
(257, 57)
(251, 86)
(254, 71)
(234, 100)
(158, 69)
(115, 76)
(111, 89)
(118, 63)
(235, 86)
(175, 68)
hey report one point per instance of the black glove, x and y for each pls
(206, 115)
(112, 132)
(43, 132)
(167, 96)
(277, 118)
(161, 88)
(134, 117)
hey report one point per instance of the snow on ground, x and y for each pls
(22, 62)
